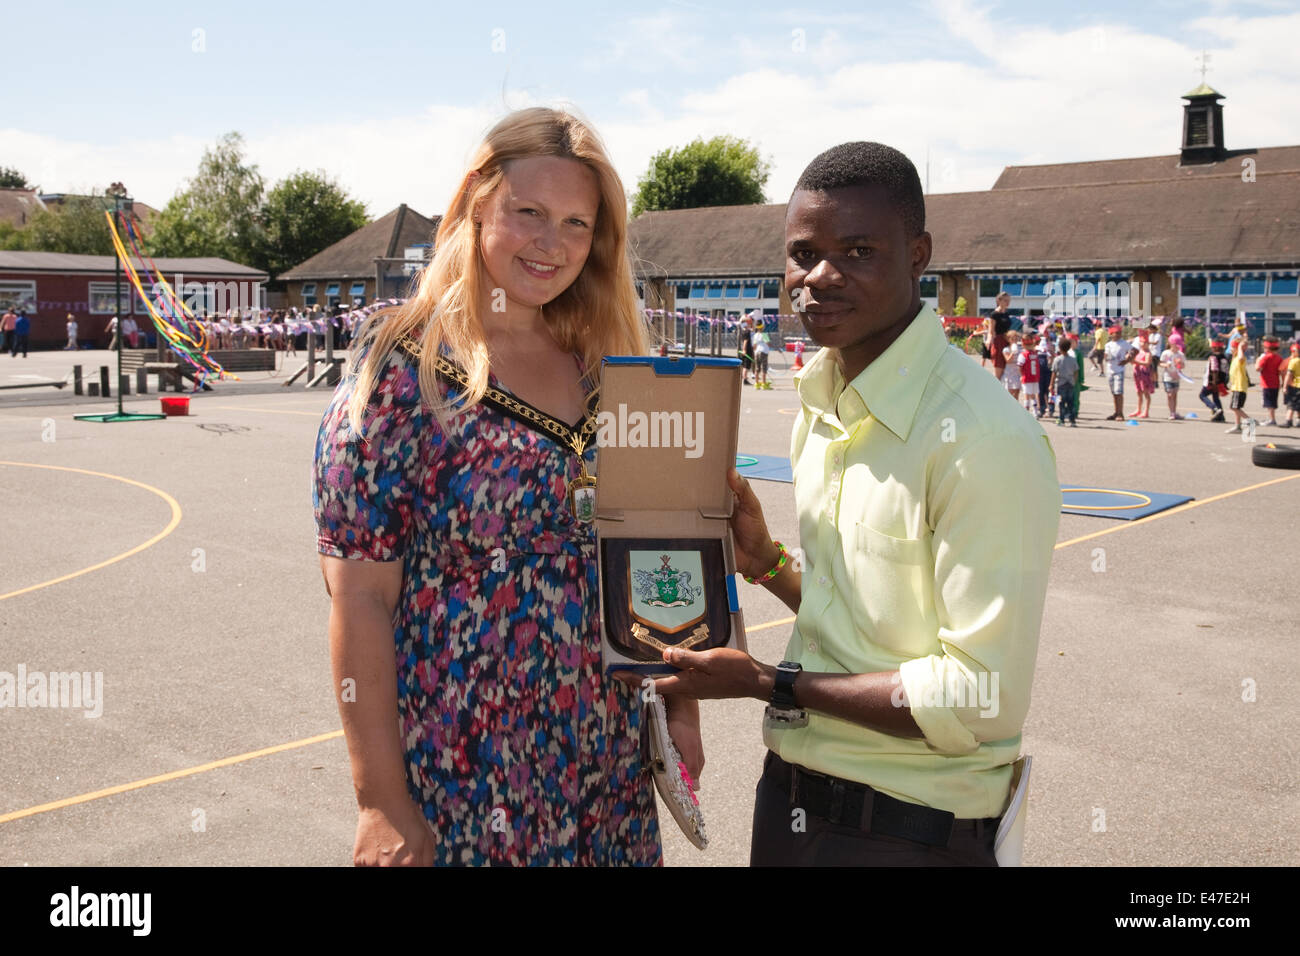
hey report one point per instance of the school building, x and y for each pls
(1205, 232)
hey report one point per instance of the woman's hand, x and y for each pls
(684, 728)
(396, 835)
(751, 542)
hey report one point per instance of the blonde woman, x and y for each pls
(450, 537)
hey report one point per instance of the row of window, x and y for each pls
(1244, 285)
(356, 291)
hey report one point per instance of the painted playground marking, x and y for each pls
(1145, 499)
(307, 741)
(171, 525)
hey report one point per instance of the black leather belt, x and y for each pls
(852, 804)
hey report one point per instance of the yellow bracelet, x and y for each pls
(784, 556)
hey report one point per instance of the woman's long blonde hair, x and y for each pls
(595, 316)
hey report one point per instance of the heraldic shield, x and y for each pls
(664, 592)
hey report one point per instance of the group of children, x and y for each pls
(1277, 375)
(1045, 380)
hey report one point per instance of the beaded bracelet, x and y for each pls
(784, 556)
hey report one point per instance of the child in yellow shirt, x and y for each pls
(1291, 387)
(1238, 382)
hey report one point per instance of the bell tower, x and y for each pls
(1202, 127)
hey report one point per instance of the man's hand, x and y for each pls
(752, 544)
(718, 674)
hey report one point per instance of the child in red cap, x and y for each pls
(1269, 365)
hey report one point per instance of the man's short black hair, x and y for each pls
(870, 164)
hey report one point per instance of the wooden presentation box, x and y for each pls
(667, 435)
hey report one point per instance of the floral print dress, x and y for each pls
(518, 748)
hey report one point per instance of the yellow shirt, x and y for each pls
(1238, 380)
(928, 505)
(1293, 366)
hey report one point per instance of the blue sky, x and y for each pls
(390, 99)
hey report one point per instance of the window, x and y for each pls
(715, 290)
(771, 288)
(100, 296)
(332, 289)
(1193, 285)
(929, 287)
(749, 292)
(683, 290)
(19, 295)
(1252, 285)
(309, 288)
(1222, 286)
(1285, 285)
(358, 289)
(1036, 287)
(699, 292)
(989, 288)
(732, 290)
(1014, 286)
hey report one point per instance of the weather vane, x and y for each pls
(1205, 63)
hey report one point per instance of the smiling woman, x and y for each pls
(446, 469)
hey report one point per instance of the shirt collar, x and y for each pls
(889, 389)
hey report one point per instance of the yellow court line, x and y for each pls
(171, 525)
(1186, 506)
(164, 777)
(122, 788)
(265, 411)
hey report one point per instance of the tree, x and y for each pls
(12, 179)
(217, 213)
(77, 225)
(724, 171)
(303, 214)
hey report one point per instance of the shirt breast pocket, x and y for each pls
(893, 583)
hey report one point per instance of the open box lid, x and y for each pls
(667, 431)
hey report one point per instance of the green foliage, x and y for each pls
(303, 214)
(12, 178)
(1195, 345)
(959, 307)
(77, 226)
(12, 237)
(217, 213)
(724, 171)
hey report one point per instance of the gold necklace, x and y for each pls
(582, 489)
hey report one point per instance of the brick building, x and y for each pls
(1206, 232)
(49, 285)
(377, 261)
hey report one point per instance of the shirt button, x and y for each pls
(822, 581)
(902, 370)
(812, 646)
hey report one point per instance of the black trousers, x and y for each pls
(786, 834)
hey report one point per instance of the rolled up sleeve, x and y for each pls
(995, 513)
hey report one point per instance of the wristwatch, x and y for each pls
(782, 709)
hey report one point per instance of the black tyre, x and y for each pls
(1279, 456)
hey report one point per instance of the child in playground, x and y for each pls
(1238, 382)
(1065, 374)
(1291, 387)
(1043, 350)
(1215, 382)
(762, 348)
(1099, 349)
(1011, 353)
(1028, 362)
(1143, 382)
(1172, 361)
(1269, 365)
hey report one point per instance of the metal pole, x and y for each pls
(117, 299)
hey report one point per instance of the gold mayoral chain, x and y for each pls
(581, 499)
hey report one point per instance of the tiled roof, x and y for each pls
(353, 256)
(67, 262)
(1189, 221)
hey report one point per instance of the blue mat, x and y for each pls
(765, 467)
(1119, 503)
